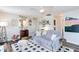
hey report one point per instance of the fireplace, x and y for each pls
(24, 33)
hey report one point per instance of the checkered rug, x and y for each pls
(65, 49)
(30, 47)
(33, 47)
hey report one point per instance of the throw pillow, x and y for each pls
(38, 33)
(53, 36)
(44, 32)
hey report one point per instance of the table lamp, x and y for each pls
(3, 34)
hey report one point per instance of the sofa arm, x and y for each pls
(56, 44)
(33, 34)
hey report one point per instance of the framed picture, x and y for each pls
(71, 24)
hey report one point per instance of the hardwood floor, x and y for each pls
(72, 46)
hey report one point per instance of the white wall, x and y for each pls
(12, 27)
(71, 36)
(74, 13)
(12, 20)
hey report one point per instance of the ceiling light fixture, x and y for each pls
(42, 10)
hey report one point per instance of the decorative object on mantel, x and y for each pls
(22, 17)
(30, 22)
(48, 22)
(34, 18)
(44, 22)
(23, 22)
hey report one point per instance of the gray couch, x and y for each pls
(45, 40)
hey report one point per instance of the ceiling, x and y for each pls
(35, 10)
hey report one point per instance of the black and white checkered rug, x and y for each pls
(33, 47)
(30, 47)
(65, 49)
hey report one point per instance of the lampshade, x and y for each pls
(3, 23)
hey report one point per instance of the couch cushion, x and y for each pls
(44, 32)
(38, 33)
(53, 36)
(49, 34)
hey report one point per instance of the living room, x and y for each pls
(34, 21)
